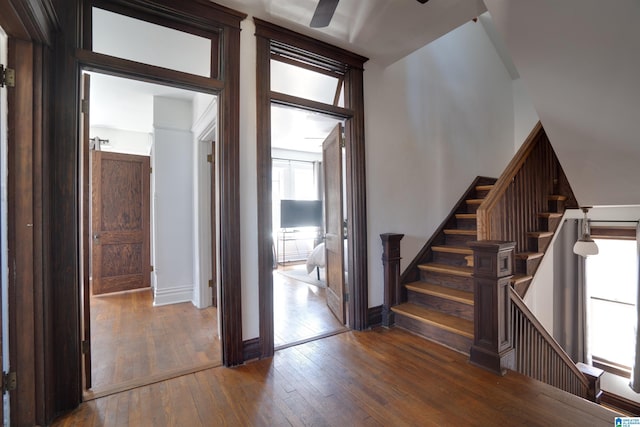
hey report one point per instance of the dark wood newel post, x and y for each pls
(391, 262)
(593, 375)
(492, 272)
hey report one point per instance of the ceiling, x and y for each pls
(382, 30)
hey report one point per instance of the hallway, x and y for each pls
(374, 378)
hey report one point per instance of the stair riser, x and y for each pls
(471, 208)
(548, 224)
(481, 194)
(539, 244)
(433, 333)
(527, 267)
(521, 288)
(450, 259)
(448, 280)
(443, 305)
(556, 206)
(459, 239)
(466, 223)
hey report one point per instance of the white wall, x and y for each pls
(123, 141)
(434, 121)
(525, 116)
(248, 181)
(580, 61)
(173, 201)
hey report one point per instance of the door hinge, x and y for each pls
(210, 158)
(9, 381)
(86, 346)
(346, 297)
(150, 170)
(84, 106)
(151, 268)
(7, 77)
(211, 283)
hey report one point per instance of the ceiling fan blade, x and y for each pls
(423, 1)
(324, 13)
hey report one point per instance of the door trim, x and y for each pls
(300, 46)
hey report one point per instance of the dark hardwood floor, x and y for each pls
(373, 378)
(300, 309)
(134, 343)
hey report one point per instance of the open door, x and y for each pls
(84, 228)
(334, 232)
(121, 232)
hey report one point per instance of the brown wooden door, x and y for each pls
(84, 229)
(334, 235)
(120, 222)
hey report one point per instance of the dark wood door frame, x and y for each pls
(350, 66)
(72, 54)
(30, 28)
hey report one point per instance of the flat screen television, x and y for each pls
(300, 213)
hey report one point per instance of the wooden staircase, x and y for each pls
(439, 300)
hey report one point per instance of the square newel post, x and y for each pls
(492, 273)
(391, 262)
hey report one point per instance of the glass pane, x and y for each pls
(304, 185)
(300, 130)
(611, 335)
(613, 273)
(303, 83)
(140, 41)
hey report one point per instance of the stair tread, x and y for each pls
(466, 216)
(484, 187)
(441, 291)
(518, 278)
(436, 318)
(447, 269)
(463, 250)
(557, 197)
(540, 233)
(474, 201)
(529, 255)
(550, 215)
(461, 231)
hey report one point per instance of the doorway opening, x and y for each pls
(149, 307)
(301, 291)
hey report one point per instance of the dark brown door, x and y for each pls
(84, 229)
(334, 235)
(120, 222)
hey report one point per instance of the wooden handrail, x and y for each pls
(505, 180)
(538, 361)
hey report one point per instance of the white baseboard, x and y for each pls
(173, 295)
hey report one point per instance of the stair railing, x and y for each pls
(511, 208)
(538, 355)
(507, 334)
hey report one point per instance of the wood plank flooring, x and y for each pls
(134, 342)
(374, 378)
(300, 311)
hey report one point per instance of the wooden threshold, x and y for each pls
(144, 381)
